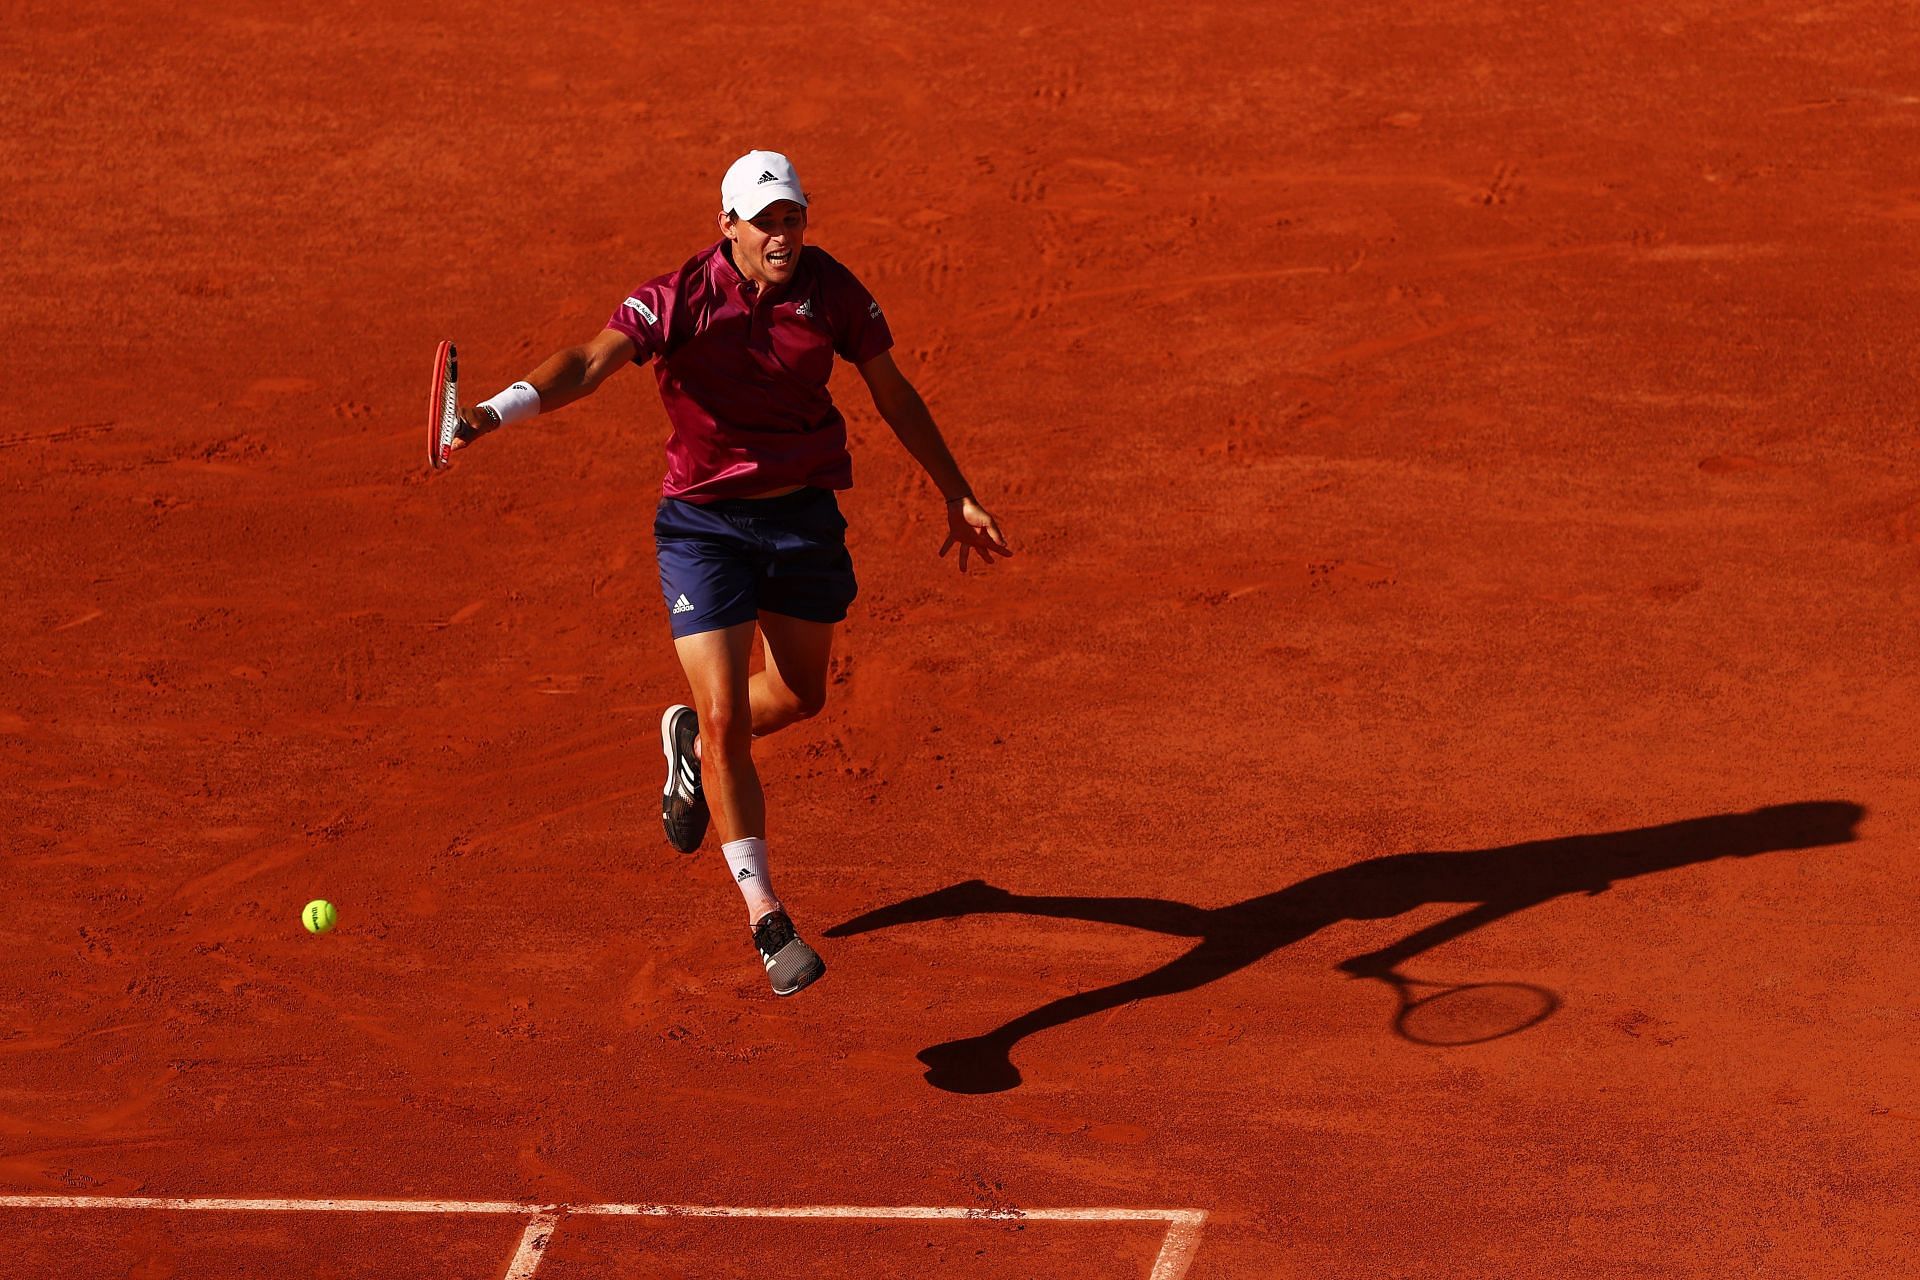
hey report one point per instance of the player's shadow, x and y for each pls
(1493, 882)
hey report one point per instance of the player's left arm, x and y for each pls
(969, 525)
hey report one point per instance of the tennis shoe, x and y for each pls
(791, 963)
(683, 805)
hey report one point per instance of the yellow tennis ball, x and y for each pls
(318, 916)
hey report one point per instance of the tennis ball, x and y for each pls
(318, 916)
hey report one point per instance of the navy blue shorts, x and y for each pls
(723, 563)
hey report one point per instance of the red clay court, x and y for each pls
(1462, 464)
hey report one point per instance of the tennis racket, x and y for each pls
(1448, 1015)
(443, 411)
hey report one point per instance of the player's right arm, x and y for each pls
(569, 374)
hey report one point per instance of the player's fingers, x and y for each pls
(999, 541)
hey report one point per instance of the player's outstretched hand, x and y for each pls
(975, 532)
(473, 424)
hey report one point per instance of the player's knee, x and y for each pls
(808, 703)
(801, 703)
(723, 723)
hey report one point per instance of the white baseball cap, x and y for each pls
(756, 180)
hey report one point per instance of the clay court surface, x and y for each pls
(1462, 464)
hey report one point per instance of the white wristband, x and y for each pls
(516, 404)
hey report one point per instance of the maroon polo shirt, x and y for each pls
(743, 373)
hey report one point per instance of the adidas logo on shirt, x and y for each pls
(683, 605)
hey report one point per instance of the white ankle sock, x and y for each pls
(747, 860)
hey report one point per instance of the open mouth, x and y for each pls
(780, 257)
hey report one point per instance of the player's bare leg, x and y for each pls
(794, 684)
(792, 687)
(715, 663)
(716, 667)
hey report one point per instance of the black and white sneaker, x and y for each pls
(683, 806)
(791, 963)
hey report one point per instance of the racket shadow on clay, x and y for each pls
(1491, 883)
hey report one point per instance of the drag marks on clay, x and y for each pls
(1860, 98)
(45, 1122)
(545, 818)
(20, 1042)
(1328, 577)
(1709, 252)
(330, 1003)
(81, 620)
(61, 1171)
(236, 871)
(1899, 206)
(1399, 340)
(465, 613)
(56, 436)
(1509, 255)
(596, 744)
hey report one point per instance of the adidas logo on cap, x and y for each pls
(756, 180)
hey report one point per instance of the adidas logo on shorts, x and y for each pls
(683, 605)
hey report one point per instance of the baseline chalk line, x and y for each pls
(1177, 1246)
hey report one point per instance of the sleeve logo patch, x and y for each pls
(644, 310)
(873, 309)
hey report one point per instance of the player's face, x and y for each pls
(766, 247)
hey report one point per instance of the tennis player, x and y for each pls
(742, 339)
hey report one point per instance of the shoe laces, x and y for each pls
(773, 932)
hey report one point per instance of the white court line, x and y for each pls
(1177, 1247)
(533, 1243)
